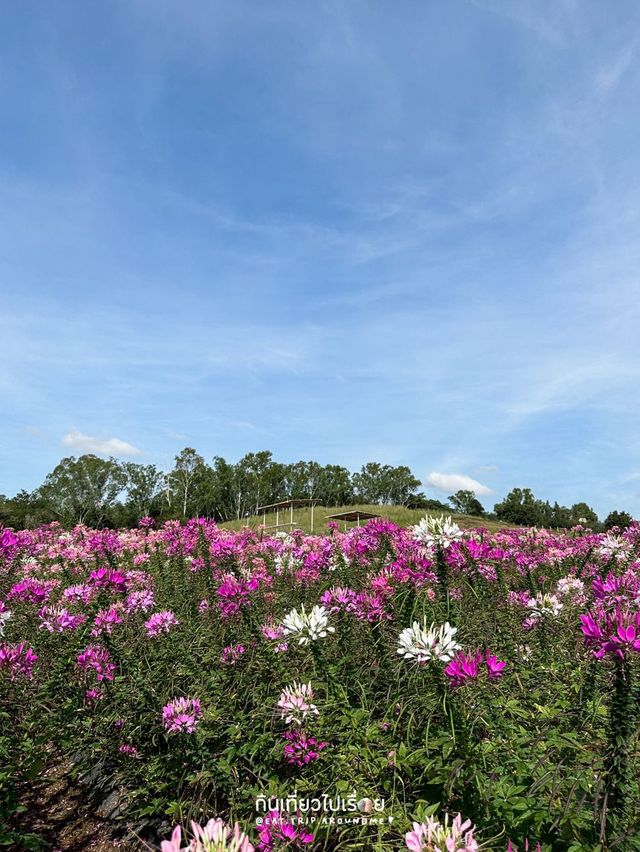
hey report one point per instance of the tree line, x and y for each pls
(107, 493)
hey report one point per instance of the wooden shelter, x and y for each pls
(282, 506)
(355, 516)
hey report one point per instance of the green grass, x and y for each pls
(398, 514)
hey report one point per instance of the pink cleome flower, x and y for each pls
(434, 836)
(106, 619)
(300, 748)
(55, 619)
(160, 622)
(96, 658)
(18, 660)
(232, 653)
(295, 703)
(215, 835)
(277, 832)
(467, 666)
(614, 632)
(181, 715)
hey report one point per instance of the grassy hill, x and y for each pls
(398, 514)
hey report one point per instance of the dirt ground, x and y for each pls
(59, 811)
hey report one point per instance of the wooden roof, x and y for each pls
(353, 516)
(286, 504)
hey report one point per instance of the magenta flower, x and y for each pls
(139, 601)
(108, 578)
(79, 594)
(234, 593)
(97, 659)
(277, 832)
(215, 836)
(494, 665)
(92, 695)
(106, 620)
(55, 619)
(181, 715)
(271, 630)
(18, 660)
(8, 543)
(31, 591)
(232, 653)
(467, 666)
(301, 749)
(160, 622)
(612, 632)
(464, 666)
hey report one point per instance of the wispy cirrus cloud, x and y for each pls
(100, 446)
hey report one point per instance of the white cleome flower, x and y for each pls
(307, 627)
(437, 531)
(611, 545)
(5, 615)
(432, 643)
(544, 604)
(570, 587)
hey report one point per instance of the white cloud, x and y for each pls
(102, 446)
(452, 482)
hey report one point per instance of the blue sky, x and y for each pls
(347, 231)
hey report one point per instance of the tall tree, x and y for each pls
(466, 503)
(83, 490)
(186, 481)
(582, 513)
(520, 507)
(302, 480)
(258, 481)
(144, 488)
(336, 487)
(622, 520)
(382, 483)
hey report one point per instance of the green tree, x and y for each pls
(399, 485)
(258, 481)
(622, 520)
(145, 485)
(582, 513)
(25, 511)
(221, 490)
(336, 488)
(466, 503)
(83, 490)
(187, 483)
(302, 480)
(382, 483)
(520, 507)
(421, 501)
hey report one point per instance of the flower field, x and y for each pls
(425, 688)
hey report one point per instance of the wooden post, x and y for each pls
(277, 519)
(291, 518)
(312, 519)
